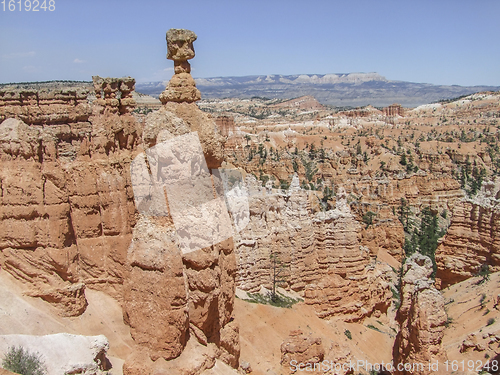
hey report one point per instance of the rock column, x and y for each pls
(175, 300)
(421, 318)
(181, 87)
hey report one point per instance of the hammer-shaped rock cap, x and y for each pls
(180, 44)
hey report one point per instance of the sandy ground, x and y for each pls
(263, 328)
(20, 314)
(470, 307)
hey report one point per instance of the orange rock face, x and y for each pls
(155, 297)
(39, 107)
(325, 260)
(421, 318)
(473, 239)
(66, 204)
(69, 222)
(301, 349)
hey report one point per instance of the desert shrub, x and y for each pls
(310, 169)
(348, 334)
(490, 321)
(284, 185)
(368, 218)
(371, 326)
(21, 361)
(279, 300)
(484, 273)
(396, 297)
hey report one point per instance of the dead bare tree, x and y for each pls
(277, 277)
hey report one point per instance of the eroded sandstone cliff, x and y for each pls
(421, 319)
(325, 261)
(67, 206)
(473, 239)
(70, 220)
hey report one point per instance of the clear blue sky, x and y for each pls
(438, 41)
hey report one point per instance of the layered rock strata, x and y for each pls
(421, 317)
(473, 239)
(69, 220)
(324, 259)
(115, 93)
(67, 207)
(368, 190)
(45, 106)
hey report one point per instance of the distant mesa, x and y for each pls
(306, 102)
(340, 90)
(321, 79)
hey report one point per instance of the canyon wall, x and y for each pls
(473, 239)
(69, 219)
(325, 261)
(421, 319)
(368, 189)
(66, 204)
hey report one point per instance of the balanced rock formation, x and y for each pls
(421, 319)
(182, 87)
(178, 302)
(69, 219)
(473, 239)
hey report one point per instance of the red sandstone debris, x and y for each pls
(301, 348)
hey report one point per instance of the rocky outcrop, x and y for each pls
(45, 106)
(155, 290)
(115, 93)
(63, 353)
(473, 239)
(302, 349)
(182, 87)
(67, 207)
(421, 317)
(368, 188)
(69, 219)
(393, 110)
(325, 261)
(225, 124)
(189, 289)
(480, 342)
